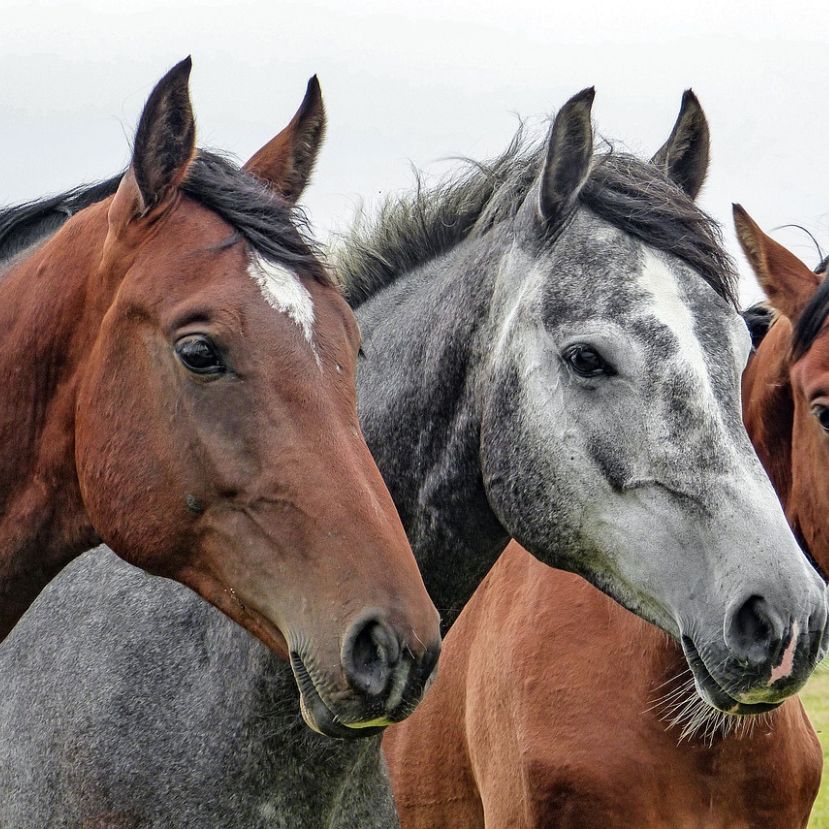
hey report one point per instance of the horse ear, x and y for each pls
(684, 156)
(569, 153)
(165, 142)
(287, 161)
(787, 282)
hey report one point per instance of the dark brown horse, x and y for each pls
(554, 705)
(178, 381)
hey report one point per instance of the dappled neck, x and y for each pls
(424, 342)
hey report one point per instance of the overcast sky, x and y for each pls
(420, 81)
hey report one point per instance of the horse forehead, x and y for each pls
(278, 284)
(811, 370)
(595, 246)
(282, 289)
(678, 300)
(591, 270)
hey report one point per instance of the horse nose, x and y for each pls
(754, 631)
(819, 631)
(372, 656)
(370, 653)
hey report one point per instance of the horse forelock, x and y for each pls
(812, 319)
(275, 229)
(633, 195)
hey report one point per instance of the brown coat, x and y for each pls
(539, 719)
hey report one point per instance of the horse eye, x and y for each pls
(586, 361)
(822, 414)
(200, 355)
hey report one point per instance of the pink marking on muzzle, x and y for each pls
(784, 669)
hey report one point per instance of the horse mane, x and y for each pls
(275, 228)
(272, 226)
(813, 317)
(631, 194)
(759, 318)
(23, 225)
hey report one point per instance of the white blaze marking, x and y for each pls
(671, 309)
(784, 669)
(284, 292)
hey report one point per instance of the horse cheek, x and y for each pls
(125, 457)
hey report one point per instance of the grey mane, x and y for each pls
(631, 194)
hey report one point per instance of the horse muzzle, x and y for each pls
(384, 679)
(762, 659)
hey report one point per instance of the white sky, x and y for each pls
(420, 81)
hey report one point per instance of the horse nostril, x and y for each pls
(370, 653)
(755, 631)
(429, 661)
(818, 632)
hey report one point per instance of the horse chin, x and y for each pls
(319, 717)
(713, 694)
(722, 701)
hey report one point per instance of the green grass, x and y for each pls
(816, 699)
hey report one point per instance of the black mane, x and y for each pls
(813, 317)
(758, 318)
(761, 316)
(631, 194)
(273, 227)
(25, 224)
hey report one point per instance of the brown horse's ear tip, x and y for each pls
(744, 222)
(749, 234)
(743, 225)
(313, 92)
(313, 95)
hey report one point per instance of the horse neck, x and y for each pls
(47, 311)
(768, 407)
(423, 341)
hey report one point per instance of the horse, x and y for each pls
(179, 381)
(551, 351)
(785, 392)
(555, 706)
(585, 716)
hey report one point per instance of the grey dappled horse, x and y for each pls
(552, 353)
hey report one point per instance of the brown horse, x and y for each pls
(545, 713)
(178, 376)
(554, 705)
(786, 387)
